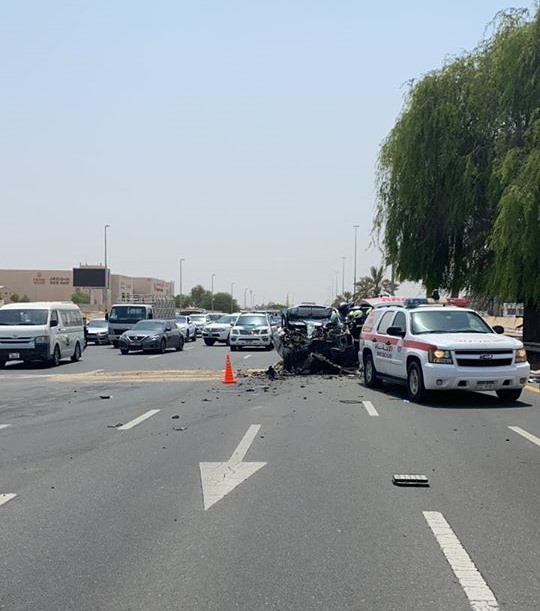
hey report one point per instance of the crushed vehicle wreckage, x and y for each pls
(315, 339)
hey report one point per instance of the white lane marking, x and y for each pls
(190, 348)
(525, 434)
(248, 356)
(218, 479)
(476, 589)
(89, 373)
(136, 421)
(4, 498)
(370, 409)
(4, 426)
(156, 356)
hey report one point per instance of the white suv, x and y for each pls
(252, 329)
(438, 347)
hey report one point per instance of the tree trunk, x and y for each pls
(531, 323)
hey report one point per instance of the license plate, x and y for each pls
(136, 344)
(485, 385)
(14, 355)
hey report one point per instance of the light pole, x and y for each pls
(251, 298)
(337, 282)
(181, 301)
(355, 249)
(245, 292)
(343, 276)
(232, 286)
(213, 276)
(106, 291)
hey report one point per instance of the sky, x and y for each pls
(241, 135)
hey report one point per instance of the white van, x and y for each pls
(45, 331)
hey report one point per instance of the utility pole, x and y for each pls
(343, 276)
(213, 276)
(180, 287)
(355, 251)
(106, 291)
(232, 286)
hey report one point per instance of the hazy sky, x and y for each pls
(239, 135)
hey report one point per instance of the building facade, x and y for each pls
(57, 285)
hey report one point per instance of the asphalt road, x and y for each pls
(146, 484)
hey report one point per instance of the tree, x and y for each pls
(14, 297)
(200, 297)
(79, 297)
(459, 174)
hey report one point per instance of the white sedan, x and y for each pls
(187, 327)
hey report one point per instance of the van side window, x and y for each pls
(65, 319)
(54, 316)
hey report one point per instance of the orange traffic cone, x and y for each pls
(228, 375)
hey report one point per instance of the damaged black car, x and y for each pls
(315, 339)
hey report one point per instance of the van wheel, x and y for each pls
(76, 353)
(508, 394)
(180, 346)
(415, 383)
(370, 373)
(55, 359)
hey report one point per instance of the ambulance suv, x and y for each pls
(440, 347)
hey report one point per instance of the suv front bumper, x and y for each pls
(447, 377)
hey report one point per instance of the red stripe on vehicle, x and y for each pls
(409, 343)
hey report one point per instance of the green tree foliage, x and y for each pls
(79, 297)
(15, 297)
(374, 284)
(459, 173)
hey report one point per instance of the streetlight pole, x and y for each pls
(337, 282)
(343, 276)
(181, 301)
(106, 291)
(245, 292)
(232, 286)
(213, 276)
(355, 249)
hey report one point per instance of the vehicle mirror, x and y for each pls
(168, 328)
(395, 331)
(54, 323)
(498, 329)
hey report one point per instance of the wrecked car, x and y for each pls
(314, 339)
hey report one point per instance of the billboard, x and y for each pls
(89, 277)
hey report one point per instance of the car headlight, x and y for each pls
(265, 331)
(154, 337)
(521, 355)
(41, 339)
(441, 357)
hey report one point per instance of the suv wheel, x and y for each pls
(370, 373)
(509, 394)
(415, 383)
(209, 342)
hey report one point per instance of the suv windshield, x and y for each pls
(227, 319)
(148, 325)
(23, 316)
(127, 314)
(252, 321)
(447, 321)
(98, 323)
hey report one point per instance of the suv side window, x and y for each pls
(400, 321)
(385, 322)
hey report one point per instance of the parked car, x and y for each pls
(152, 335)
(220, 330)
(438, 347)
(187, 326)
(253, 330)
(199, 320)
(97, 331)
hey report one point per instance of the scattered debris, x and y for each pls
(409, 480)
(349, 401)
(114, 426)
(175, 417)
(180, 428)
(105, 396)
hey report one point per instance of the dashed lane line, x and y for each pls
(4, 498)
(248, 356)
(476, 589)
(370, 408)
(136, 421)
(525, 434)
(4, 426)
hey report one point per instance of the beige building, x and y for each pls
(57, 285)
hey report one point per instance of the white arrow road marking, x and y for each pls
(4, 498)
(132, 423)
(525, 434)
(370, 409)
(220, 478)
(4, 426)
(472, 582)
